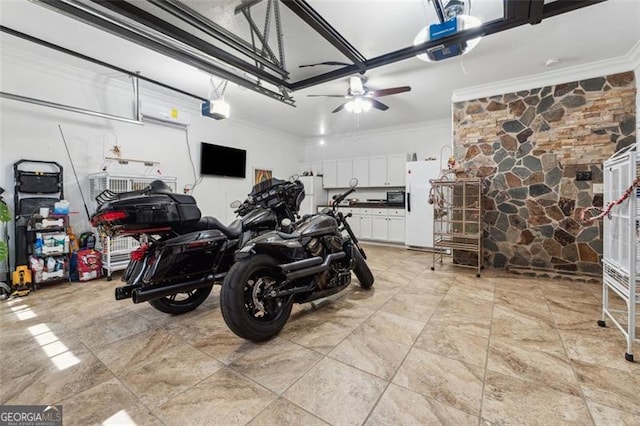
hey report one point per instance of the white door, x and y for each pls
(395, 169)
(354, 222)
(345, 172)
(380, 228)
(419, 213)
(396, 229)
(330, 174)
(378, 170)
(365, 227)
(361, 171)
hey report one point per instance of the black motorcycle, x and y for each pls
(276, 269)
(181, 254)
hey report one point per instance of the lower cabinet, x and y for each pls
(376, 224)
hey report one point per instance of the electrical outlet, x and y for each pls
(598, 188)
(583, 176)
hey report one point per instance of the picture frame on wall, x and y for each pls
(260, 175)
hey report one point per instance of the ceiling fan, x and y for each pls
(361, 98)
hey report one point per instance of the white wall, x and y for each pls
(31, 132)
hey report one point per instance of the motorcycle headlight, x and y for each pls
(244, 252)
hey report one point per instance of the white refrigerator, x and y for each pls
(419, 213)
(314, 194)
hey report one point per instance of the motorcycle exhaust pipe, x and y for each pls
(316, 269)
(140, 295)
(301, 264)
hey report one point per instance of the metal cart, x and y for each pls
(457, 221)
(116, 252)
(621, 236)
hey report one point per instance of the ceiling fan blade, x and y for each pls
(327, 96)
(329, 63)
(390, 91)
(340, 108)
(378, 105)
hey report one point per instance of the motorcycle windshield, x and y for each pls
(265, 185)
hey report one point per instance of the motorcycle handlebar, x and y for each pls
(337, 199)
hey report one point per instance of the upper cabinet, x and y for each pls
(345, 172)
(377, 171)
(387, 170)
(396, 168)
(330, 174)
(361, 171)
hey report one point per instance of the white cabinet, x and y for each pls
(378, 224)
(396, 168)
(361, 171)
(344, 172)
(378, 170)
(361, 223)
(365, 227)
(379, 228)
(330, 174)
(396, 229)
(354, 222)
(387, 225)
(387, 170)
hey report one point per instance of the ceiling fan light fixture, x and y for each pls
(358, 105)
(464, 22)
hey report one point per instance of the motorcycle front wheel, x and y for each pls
(362, 271)
(181, 303)
(244, 308)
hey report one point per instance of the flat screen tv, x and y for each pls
(219, 160)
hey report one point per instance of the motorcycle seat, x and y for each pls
(232, 231)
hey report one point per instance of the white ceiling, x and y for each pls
(595, 33)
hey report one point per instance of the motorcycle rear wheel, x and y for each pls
(362, 271)
(181, 303)
(244, 309)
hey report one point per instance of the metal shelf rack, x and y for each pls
(116, 252)
(457, 221)
(621, 236)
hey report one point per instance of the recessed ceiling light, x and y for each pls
(551, 62)
(321, 142)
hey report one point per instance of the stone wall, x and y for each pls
(529, 145)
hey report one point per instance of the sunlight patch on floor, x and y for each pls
(119, 418)
(57, 351)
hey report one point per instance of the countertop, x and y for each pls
(367, 205)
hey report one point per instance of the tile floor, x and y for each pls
(423, 347)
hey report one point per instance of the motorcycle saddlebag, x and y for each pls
(188, 256)
(150, 211)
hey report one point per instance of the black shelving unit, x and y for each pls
(39, 184)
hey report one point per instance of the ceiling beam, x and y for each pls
(94, 18)
(151, 21)
(322, 27)
(536, 8)
(563, 6)
(517, 18)
(75, 54)
(207, 26)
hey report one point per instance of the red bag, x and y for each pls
(89, 265)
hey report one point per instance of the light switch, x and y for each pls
(598, 188)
